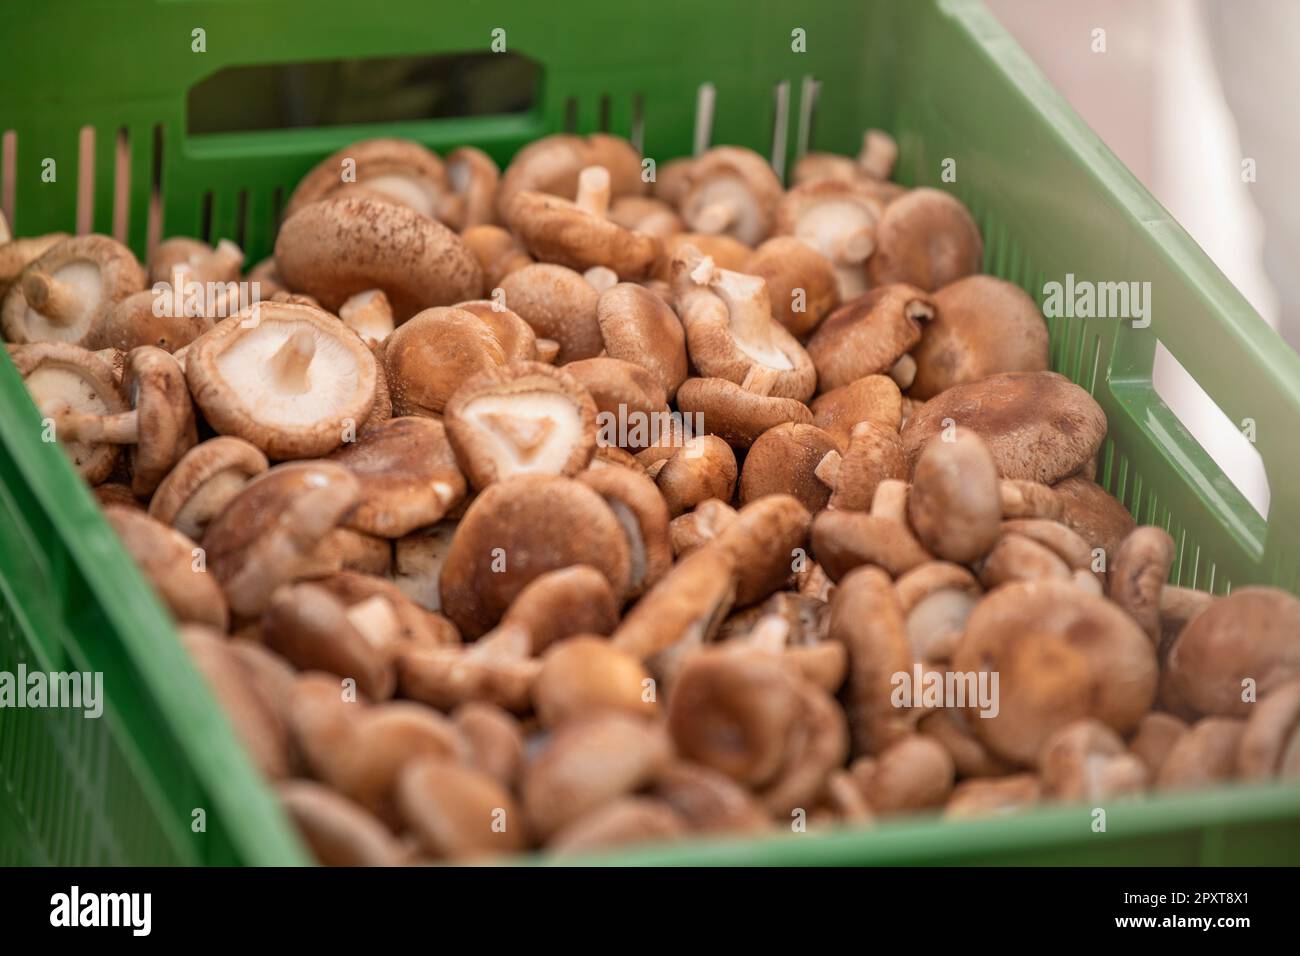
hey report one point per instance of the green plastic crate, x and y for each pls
(942, 76)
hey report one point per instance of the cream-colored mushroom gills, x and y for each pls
(408, 190)
(58, 389)
(527, 433)
(290, 373)
(72, 293)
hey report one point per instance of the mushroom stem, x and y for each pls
(601, 278)
(890, 500)
(828, 468)
(749, 310)
(292, 360)
(759, 380)
(904, 371)
(715, 218)
(878, 154)
(5, 234)
(376, 620)
(55, 300)
(120, 429)
(770, 634)
(593, 191)
(368, 314)
(853, 248)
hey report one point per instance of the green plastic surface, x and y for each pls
(942, 76)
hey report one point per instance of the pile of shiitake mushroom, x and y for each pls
(452, 614)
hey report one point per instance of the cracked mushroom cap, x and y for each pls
(981, 326)
(642, 513)
(428, 358)
(167, 559)
(68, 379)
(203, 482)
(837, 219)
(873, 398)
(800, 281)
(925, 238)
(336, 248)
(268, 534)
(401, 170)
(1253, 634)
(784, 459)
(518, 529)
(578, 234)
(732, 191)
(730, 330)
(287, 378)
(1062, 655)
(638, 326)
(524, 418)
(869, 335)
(1039, 426)
(65, 294)
(560, 305)
(408, 474)
(472, 177)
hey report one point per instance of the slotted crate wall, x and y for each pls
(939, 74)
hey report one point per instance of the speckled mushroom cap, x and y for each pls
(560, 305)
(1062, 655)
(268, 533)
(1088, 509)
(517, 338)
(291, 382)
(472, 177)
(68, 378)
(784, 459)
(926, 238)
(1039, 426)
(552, 165)
(732, 191)
(526, 525)
(429, 357)
(63, 295)
(800, 282)
(869, 334)
(408, 474)
(203, 481)
(400, 169)
(873, 398)
(730, 330)
(1253, 633)
(167, 559)
(577, 233)
(524, 418)
(335, 248)
(982, 326)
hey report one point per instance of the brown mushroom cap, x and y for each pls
(65, 293)
(497, 251)
(526, 526)
(733, 191)
(578, 234)
(1039, 425)
(401, 170)
(1270, 745)
(1154, 738)
(587, 764)
(203, 482)
(428, 358)
(784, 460)
(955, 505)
(874, 454)
(287, 378)
(1253, 634)
(577, 599)
(620, 389)
(17, 254)
(560, 305)
(456, 812)
(1204, 756)
(268, 533)
(1137, 576)
(868, 335)
(643, 515)
(1086, 760)
(993, 798)
(586, 675)
(874, 398)
(703, 467)
(338, 831)
(913, 774)
(552, 165)
(844, 540)
(800, 282)
(220, 263)
(735, 413)
(169, 560)
(67, 379)
(494, 738)
(408, 475)
(638, 326)
(1097, 516)
(766, 542)
(684, 609)
(163, 428)
(472, 176)
(1062, 655)
(517, 338)
(981, 326)
(150, 317)
(926, 238)
(524, 418)
(336, 248)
